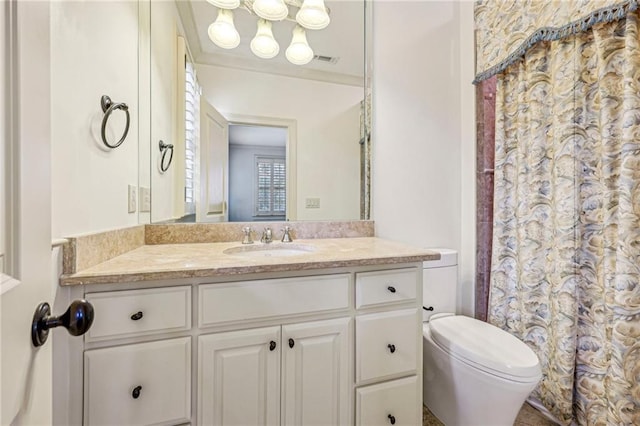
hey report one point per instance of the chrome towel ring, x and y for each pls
(108, 106)
(164, 148)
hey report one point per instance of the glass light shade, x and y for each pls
(272, 10)
(263, 44)
(225, 4)
(299, 52)
(313, 15)
(222, 32)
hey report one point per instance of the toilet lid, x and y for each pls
(484, 345)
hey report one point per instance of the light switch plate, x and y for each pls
(132, 199)
(145, 199)
(312, 203)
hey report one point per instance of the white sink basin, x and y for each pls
(270, 250)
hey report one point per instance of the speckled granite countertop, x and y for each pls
(171, 261)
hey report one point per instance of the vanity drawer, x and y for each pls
(260, 299)
(148, 383)
(386, 344)
(383, 287)
(134, 313)
(388, 403)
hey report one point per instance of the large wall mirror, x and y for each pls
(235, 137)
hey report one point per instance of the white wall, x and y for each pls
(422, 137)
(467, 270)
(4, 123)
(94, 52)
(328, 123)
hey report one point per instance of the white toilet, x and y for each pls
(474, 372)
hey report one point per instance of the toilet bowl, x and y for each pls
(473, 373)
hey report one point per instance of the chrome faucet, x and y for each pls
(246, 238)
(286, 237)
(267, 236)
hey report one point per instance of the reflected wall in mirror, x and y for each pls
(202, 94)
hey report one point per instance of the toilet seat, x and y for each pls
(485, 347)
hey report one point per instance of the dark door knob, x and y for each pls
(392, 348)
(430, 308)
(391, 288)
(138, 315)
(77, 320)
(272, 345)
(135, 394)
(392, 419)
(291, 343)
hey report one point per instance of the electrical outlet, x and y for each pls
(312, 203)
(132, 199)
(145, 199)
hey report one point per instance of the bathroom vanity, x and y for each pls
(216, 334)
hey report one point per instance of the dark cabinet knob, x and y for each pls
(138, 315)
(77, 320)
(291, 343)
(135, 394)
(391, 288)
(392, 348)
(272, 345)
(430, 308)
(392, 419)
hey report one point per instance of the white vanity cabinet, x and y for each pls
(388, 344)
(329, 347)
(249, 377)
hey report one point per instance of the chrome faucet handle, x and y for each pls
(246, 238)
(286, 236)
(267, 236)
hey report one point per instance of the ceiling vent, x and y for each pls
(327, 59)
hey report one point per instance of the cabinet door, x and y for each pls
(146, 383)
(316, 374)
(239, 378)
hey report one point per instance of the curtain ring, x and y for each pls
(164, 148)
(108, 107)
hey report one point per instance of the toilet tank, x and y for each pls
(440, 283)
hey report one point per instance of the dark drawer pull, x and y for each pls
(430, 308)
(138, 315)
(272, 345)
(392, 348)
(291, 343)
(392, 419)
(391, 288)
(136, 392)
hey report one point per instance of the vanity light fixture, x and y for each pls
(313, 15)
(222, 32)
(310, 14)
(263, 44)
(273, 10)
(299, 52)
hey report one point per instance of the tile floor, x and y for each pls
(528, 416)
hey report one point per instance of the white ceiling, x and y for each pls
(343, 38)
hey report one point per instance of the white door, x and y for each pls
(213, 155)
(25, 374)
(315, 373)
(239, 378)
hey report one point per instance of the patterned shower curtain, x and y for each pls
(566, 244)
